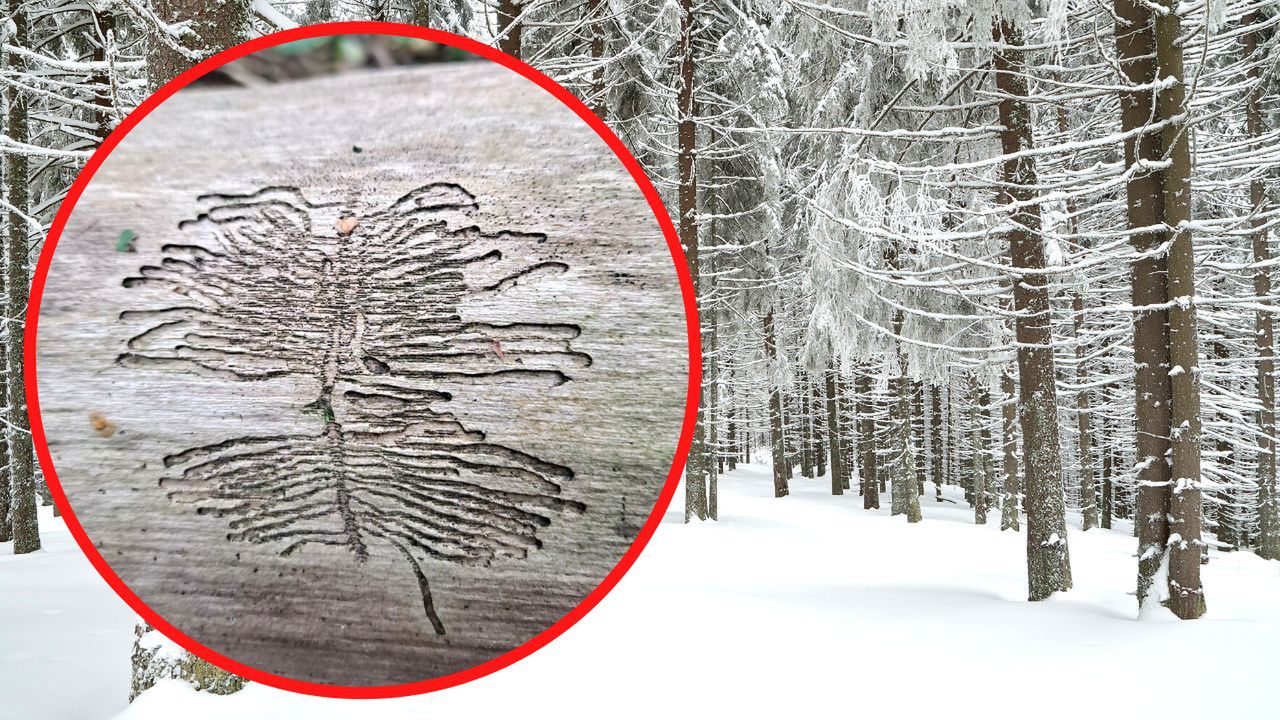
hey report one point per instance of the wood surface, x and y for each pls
(389, 381)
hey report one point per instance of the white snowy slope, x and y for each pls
(808, 604)
(65, 636)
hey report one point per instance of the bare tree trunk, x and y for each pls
(1048, 563)
(1186, 595)
(1264, 330)
(22, 508)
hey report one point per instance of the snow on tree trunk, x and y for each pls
(904, 498)
(935, 439)
(1135, 51)
(695, 474)
(866, 441)
(833, 434)
(1264, 329)
(848, 440)
(6, 519)
(598, 102)
(777, 438)
(979, 472)
(710, 392)
(1010, 501)
(819, 444)
(1088, 489)
(211, 28)
(1186, 595)
(22, 481)
(1048, 564)
(920, 449)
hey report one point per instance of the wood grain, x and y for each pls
(363, 417)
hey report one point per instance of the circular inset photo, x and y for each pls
(363, 374)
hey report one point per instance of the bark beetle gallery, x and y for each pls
(363, 418)
(367, 307)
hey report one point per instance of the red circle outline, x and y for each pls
(691, 321)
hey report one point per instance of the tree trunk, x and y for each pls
(596, 30)
(1088, 489)
(935, 439)
(1264, 330)
(867, 469)
(833, 435)
(6, 516)
(1010, 502)
(215, 27)
(918, 434)
(105, 19)
(1135, 50)
(734, 449)
(819, 445)
(510, 29)
(711, 391)
(947, 420)
(695, 500)
(1106, 493)
(1186, 595)
(845, 410)
(1108, 497)
(807, 462)
(22, 508)
(904, 498)
(1048, 563)
(781, 469)
(979, 471)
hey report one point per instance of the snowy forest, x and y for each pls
(1021, 249)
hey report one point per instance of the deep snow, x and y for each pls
(796, 606)
(65, 636)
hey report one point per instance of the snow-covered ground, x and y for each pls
(65, 636)
(789, 607)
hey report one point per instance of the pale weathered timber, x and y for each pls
(372, 416)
